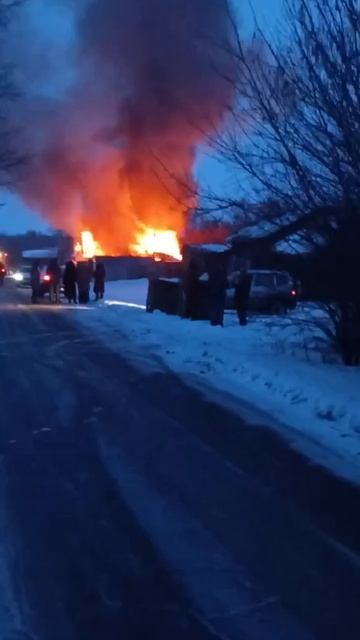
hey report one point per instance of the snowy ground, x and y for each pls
(280, 365)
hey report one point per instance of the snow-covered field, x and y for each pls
(280, 365)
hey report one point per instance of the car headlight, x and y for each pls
(18, 277)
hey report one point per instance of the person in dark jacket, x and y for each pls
(217, 293)
(242, 294)
(99, 280)
(35, 279)
(69, 282)
(54, 272)
(84, 276)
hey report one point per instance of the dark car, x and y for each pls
(23, 278)
(271, 292)
(2, 273)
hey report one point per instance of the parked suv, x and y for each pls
(271, 292)
(23, 278)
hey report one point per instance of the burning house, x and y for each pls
(114, 151)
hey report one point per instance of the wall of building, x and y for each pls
(133, 268)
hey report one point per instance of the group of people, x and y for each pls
(218, 282)
(76, 279)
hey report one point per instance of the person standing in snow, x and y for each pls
(69, 281)
(99, 280)
(84, 277)
(54, 272)
(243, 283)
(35, 282)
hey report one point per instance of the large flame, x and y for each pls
(149, 242)
(88, 247)
(156, 243)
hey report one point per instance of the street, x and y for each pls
(133, 508)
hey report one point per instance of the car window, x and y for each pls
(265, 280)
(283, 279)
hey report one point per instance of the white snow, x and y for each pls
(279, 365)
(127, 292)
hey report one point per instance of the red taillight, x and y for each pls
(3, 271)
(294, 292)
(47, 278)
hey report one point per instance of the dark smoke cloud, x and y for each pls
(116, 143)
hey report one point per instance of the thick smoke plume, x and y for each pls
(115, 148)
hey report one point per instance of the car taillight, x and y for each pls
(47, 278)
(2, 270)
(294, 292)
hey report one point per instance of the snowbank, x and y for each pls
(278, 364)
(127, 293)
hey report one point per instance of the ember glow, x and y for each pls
(156, 243)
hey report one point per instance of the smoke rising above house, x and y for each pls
(112, 150)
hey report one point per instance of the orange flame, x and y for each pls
(156, 242)
(88, 247)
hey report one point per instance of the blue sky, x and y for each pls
(15, 217)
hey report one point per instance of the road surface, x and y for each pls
(132, 508)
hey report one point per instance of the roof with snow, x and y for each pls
(37, 254)
(260, 229)
(210, 248)
(283, 233)
(293, 245)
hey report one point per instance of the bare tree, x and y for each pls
(293, 137)
(10, 155)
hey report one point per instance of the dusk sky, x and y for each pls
(15, 217)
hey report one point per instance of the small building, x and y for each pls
(136, 267)
(167, 294)
(206, 256)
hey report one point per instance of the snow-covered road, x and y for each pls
(280, 366)
(134, 508)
